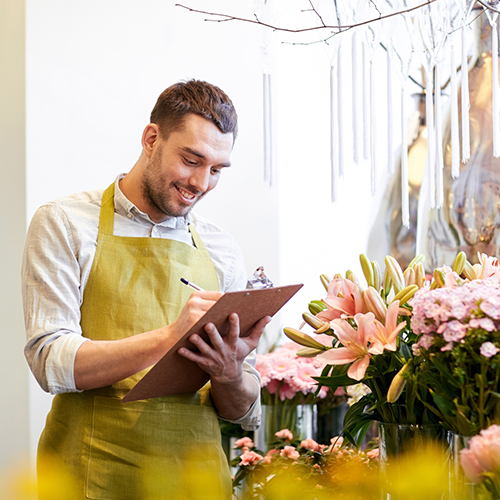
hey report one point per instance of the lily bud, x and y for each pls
(303, 339)
(395, 272)
(419, 274)
(406, 294)
(309, 352)
(316, 306)
(374, 303)
(366, 266)
(325, 281)
(438, 276)
(409, 275)
(469, 271)
(459, 263)
(386, 282)
(312, 320)
(397, 385)
(323, 328)
(351, 277)
(377, 276)
(417, 259)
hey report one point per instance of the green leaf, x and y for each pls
(445, 372)
(444, 404)
(334, 382)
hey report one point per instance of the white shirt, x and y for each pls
(58, 256)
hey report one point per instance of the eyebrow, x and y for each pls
(202, 156)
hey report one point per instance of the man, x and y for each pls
(103, 299)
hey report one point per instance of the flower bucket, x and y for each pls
(300, 420)
(419, 447)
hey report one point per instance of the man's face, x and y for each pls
(184, 167)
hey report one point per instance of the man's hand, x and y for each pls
(233, 390)
(195, 308)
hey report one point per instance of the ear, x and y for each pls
(150, 135)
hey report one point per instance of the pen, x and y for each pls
(192, 285)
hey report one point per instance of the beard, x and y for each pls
(159, 192)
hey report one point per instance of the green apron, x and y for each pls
(150, 449)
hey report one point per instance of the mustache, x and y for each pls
(189, 189)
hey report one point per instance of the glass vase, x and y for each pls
(300, 420)
(330, 422)
(404, 446)
(461, 488)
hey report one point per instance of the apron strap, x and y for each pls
(107, 215)
(196, 239)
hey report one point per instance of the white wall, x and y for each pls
(93, 72)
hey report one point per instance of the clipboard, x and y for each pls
(174, 374)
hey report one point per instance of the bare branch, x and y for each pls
(489, 7)
(227, 17)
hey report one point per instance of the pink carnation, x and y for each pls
(244, 442)
(250, 457)
(290, 452)
(336, 443)
(312, 445)
(285, 433)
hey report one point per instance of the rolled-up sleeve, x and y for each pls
(51, 300)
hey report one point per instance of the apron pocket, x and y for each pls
(144, 449)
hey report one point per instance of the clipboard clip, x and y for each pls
(259, 280)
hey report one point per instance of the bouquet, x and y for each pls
(363, 333)
(459, 346)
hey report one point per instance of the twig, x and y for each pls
(313, 8)
(228, 17)
(489, 7)
(376, 8)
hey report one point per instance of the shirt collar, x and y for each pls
(124, 206)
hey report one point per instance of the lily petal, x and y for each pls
(338, 356)
(358, 369)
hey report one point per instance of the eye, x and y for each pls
(216, 171)
(189, 162)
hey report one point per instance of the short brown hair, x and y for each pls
(198, 97)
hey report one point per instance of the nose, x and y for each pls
(200, 179)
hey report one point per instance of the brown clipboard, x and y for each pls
(174, 374)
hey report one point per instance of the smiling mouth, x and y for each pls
(186, 195)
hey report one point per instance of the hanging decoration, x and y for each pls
(266, 11)
(357, 90)
(466, 8)
(332, 15)
(370, 23)
(452, 26)
(493, 18)
(401, 56)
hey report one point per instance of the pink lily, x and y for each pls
(344, 297)
(487, 266)
(384, 337)
(355, 345)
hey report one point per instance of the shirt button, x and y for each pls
(129, 215)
